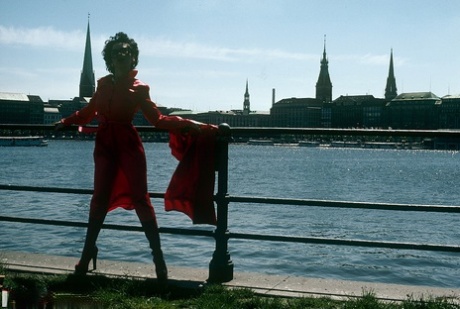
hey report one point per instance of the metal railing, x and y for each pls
(221, 265)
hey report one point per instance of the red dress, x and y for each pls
(120, 176)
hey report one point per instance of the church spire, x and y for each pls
(246, 103)
(324, 85)
(87, 81)
(390, 89)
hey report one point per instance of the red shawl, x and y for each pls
(191, 189)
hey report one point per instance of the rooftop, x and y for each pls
(11, 96)
(451, 96)
(298, 102)
(417, 96)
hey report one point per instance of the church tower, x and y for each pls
(324, 85)
(390, 89)
(246, 103)
(87, 81)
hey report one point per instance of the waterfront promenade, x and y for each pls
(279, 285)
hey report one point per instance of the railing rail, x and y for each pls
(267, 200)
(245, 236)
(344, 204)
(116, 227)
(221, 266)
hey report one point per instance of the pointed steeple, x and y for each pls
(87, 81)
(390, 89)
(246, 103)
(324, 85)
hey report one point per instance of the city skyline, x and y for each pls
(199, 54)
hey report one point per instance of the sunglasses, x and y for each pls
(121, 50)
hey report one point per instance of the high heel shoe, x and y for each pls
(81, 268)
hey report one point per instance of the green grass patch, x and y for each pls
(103, 292)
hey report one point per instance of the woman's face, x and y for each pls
(122, 58)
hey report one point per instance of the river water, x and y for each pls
(393, 176)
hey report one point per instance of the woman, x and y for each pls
(120, 178)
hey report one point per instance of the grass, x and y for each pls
(103, 292)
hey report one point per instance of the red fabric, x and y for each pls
(120, 176)
(118, 103)
(191, 189)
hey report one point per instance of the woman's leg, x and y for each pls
(104, 174)
(89, 249)
(153, 236)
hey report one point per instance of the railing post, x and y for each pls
(221, 265)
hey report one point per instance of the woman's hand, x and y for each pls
(58, 125)
(192, 127)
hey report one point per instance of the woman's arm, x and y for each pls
(81, 117)
(156, 118)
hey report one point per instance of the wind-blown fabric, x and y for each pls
(191, 189)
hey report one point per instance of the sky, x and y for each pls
(198, 54)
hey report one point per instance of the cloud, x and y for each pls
(40, 37)
(46, 37)
(168, 48)
(18, 73)
(202, 73)
(375, 59)
(381, 60)
(370, 59)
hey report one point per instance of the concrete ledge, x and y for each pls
(269, 285)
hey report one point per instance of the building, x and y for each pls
(246, 103)
(324, 85)
(68, 107)
(51, 114)
(363, 111)
(306, 112)
(375, 114)
(449, 112)
(86, 88)
(87, 80)
(358, 111)
(234, 118)
(391, 90)
(297, 113)
(415, 111)
(19, 108)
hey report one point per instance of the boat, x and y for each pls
(309, 144)
(22, 141)
(346, 144)
(381, 145)
(261, 142)
(337, 144)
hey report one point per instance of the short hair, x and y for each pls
(120, 37)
